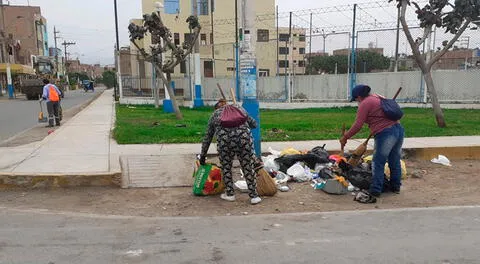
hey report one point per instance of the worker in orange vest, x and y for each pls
(52, 95)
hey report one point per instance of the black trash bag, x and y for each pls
(361, 177)
(326, 173)
(288, 161)
(322, 153)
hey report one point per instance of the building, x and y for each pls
(459, 59)
(25, 34)
(217, 39)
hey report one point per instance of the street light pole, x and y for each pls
(117, 54)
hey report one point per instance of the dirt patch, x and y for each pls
(439, 186)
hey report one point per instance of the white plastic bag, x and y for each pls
(274, 152)
(298, 172)
(269, 163)
(442, 160)
(241, 185)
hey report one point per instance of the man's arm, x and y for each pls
(45, 92)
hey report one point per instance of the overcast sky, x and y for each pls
(90, 23)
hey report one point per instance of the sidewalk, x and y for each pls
(81, 152)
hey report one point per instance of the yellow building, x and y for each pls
(219, 39)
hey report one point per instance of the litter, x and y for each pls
(284, 189)
(363, 197)
(290, 151)
(281, 177)
(269, 163)
(442, 160)
(242, 186)
(274, 152)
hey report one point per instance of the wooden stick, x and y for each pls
(342, 147)
(221, 91)
(233, 96)
(398, 92)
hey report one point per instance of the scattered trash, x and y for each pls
(269, 163)
(318, 185)
(241, 185)
(274, 152)
(276, 225)
(290, 151)
(299, 172)
(134, 253)
(245, 213)
(50, 131)
(350, 187)
(335, 186)
(284, 188)
(418, 174)
(363, 197)
(442, 160)
(281, 177)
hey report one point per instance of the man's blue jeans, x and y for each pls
(388, 148)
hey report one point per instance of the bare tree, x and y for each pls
(454, 21)
(153, 24)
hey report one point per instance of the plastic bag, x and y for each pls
(207, 180)
(269, 163)
(299, 172)
(274, 152)
(442, 160)
(290, 151)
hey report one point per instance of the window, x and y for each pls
(203, 39)
(283, 64)
(188, 37)
(263, 35)
(263, 72)
(284, 37)
(172, 6)
(294, 48)
(202, 7)
(208, 69)
(176, 39)
(230, 69)
(301, 51)
(283, 50)
(301, 37)
(301, 63)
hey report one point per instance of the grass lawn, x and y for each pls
(147, 125)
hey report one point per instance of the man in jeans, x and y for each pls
(52, 94)
(389, 136)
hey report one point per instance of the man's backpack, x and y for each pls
(232, 117)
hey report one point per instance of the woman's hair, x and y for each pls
(220, 103)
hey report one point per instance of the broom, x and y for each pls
(354, 160)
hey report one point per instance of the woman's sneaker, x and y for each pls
(225, 197)
(255, 200)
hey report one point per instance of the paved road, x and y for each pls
(436, 235)
(20, 114)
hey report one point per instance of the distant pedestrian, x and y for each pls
(232, 141)
(52, 94)
(388, 138)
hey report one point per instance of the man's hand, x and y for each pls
(202, 160)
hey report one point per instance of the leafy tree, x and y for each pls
(367, 60)
(455, 20)
(73, 77)
(108, 78)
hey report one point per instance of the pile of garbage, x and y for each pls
(330, 173)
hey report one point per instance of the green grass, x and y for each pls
(147, 125)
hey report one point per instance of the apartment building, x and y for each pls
(217, 39)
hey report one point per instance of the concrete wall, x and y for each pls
(451, 86)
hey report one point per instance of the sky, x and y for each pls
(91, 23)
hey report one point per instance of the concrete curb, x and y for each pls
(60, 181)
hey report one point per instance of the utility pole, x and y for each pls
(287, 51)
(212, 7)
(198, 101)
(353, 60)
(55, 32)
(310, 45)
(66, 44)
(237, 55)
(248, 64)
(117, 47)
(397, 41)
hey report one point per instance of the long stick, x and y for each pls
(221, 91)
(232, 94)
(397, 93)
(342, 147)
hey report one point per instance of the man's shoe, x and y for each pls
(57, 124)
(255, 200)
(49, 126)
(226, 197)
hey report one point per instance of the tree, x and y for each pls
(454, 21)
(153, 24)
(108, 78)
(367, 61)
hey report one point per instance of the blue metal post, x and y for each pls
(353, 60)
(249, 71)
(198, 102)
(237, 72)
(9, 82)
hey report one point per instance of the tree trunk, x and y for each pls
(437, 110)
(167, 83)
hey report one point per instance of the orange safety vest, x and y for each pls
(52, 94)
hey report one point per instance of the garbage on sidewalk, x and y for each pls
(207, 179)
(442, 160)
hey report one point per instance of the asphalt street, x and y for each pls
(433, 235)
(20, 114)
